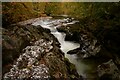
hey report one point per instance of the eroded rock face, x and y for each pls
(88, 47)
(101, 43)
(108, 70)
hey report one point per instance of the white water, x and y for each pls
(65, 45)
(52, 24)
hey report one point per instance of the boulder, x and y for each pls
(88, 47)
(108, 70)
(41, 61)
(18, 37)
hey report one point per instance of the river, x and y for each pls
(83, 67)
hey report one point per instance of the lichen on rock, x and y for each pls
(28, 65)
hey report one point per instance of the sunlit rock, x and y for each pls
(34, 72)
(25, 66)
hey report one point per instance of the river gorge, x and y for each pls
(66, 46)
(52, 41)
(81, 54)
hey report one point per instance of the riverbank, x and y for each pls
(102, 51)
(90, 50)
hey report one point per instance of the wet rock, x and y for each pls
(108, 70)
(75, 51)
(71, 69)
(72, 36)
(88, 47)
(62, 29)
(116, 60)
(72, 31)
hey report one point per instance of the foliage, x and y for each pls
(13, 12)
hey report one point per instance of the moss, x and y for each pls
(71, 66)
(14, 12)
(71, 69)
(72, 76)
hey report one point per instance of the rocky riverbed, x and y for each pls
(94, 51)
(35, 49)
(32, 52)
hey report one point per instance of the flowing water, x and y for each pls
(52, 24)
